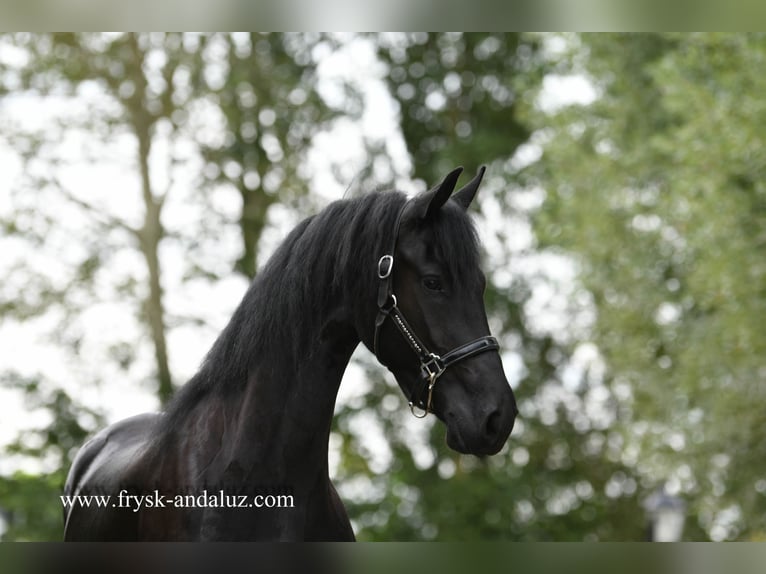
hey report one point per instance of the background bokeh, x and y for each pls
(145, 178)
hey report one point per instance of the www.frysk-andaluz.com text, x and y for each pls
(155, 499)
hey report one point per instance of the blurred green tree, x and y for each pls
(657, 190)
(269, 100)
(643, 211)
(459, 95)
(228, 113)
(28, 500)
(464, 99)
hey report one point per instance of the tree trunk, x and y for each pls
(151, 232)
(255, 203)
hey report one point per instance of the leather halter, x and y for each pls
(432, 366)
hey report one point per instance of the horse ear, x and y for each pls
(428, 203)
(465, 196)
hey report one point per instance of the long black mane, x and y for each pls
(257, 416)
(327, 256)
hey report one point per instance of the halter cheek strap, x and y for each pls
(432, 366)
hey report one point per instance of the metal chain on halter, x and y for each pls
(403, 328)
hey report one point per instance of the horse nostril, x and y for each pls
(492, 426)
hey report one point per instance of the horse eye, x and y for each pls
(432, 283)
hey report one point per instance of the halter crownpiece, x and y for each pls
(432, 365)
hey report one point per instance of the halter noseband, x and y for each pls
(432, 366)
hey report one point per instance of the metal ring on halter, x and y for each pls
(431, 382)
(414, 412)
(392, 300)
(384, 274)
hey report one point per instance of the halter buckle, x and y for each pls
(433, 368)
(385, 266)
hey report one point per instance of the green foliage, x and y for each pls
(30, 503)
(459, 95)
(562, 475)
(657, 190)
(272, 110)
(154, 92)
(653, 194)
(30, 506)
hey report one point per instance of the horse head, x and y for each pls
(431, 328)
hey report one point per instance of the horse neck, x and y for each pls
(289, 343)
(283, 415)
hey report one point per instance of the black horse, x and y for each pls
(256, 417)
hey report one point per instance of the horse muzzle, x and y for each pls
(484, 433)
